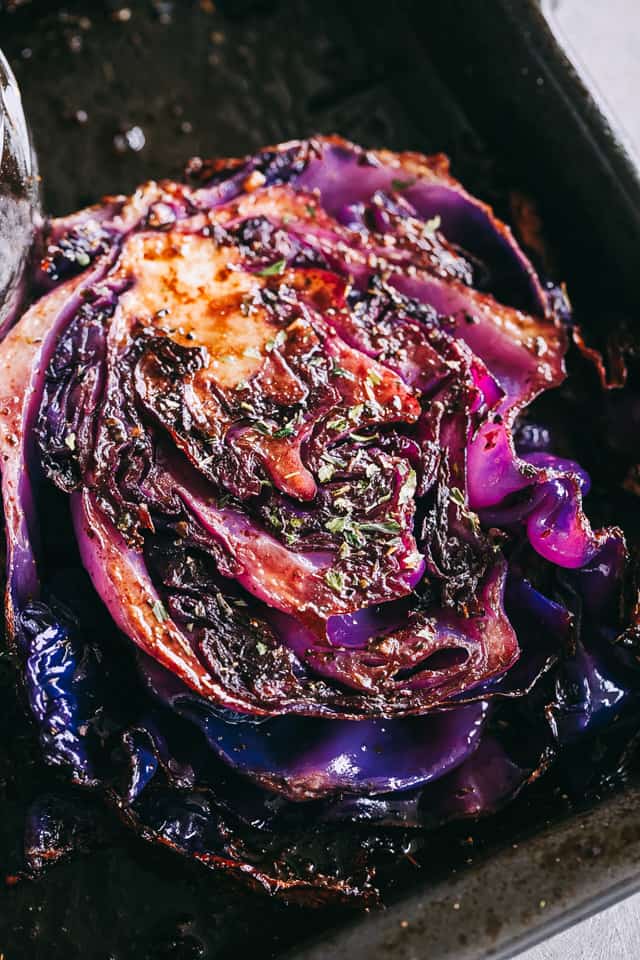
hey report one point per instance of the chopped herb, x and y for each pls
(339, 371)
(159, 611)
(353, 536)
(339, 423)
(389, 526)
(260, 426)
(83, 259)
(70, 441)
(474, 520)
(402, 184)
(356, 411)
(262, 648)
(325, 472)
(286, 431)
(310, 210)
(433, 224)
(273, 270)
(337, 524)
(374, 377)
(344, 551)
(274, 519)
(335, 580)
(364, 438)
(457, 496)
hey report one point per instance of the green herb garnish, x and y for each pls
(325, 472)
(389, 526)
(335, 580)
(159, 611)
(338, 423)
(457, 496)
(339, 371)
(285, 431)
(274, 269)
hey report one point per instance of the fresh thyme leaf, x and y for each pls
(339, 371)
(344, 551)
(285, 431)
(338, 423)
(325, 472)
(159, 611)
(457, 496)
(335, 580)
(274, 269)
(274, 519)
(336, 524)
(261, 427)
(388, 526)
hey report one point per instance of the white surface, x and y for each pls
(605, 37)
(613, 934)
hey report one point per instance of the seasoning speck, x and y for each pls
(159, 611)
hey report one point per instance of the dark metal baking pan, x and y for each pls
(118, 92)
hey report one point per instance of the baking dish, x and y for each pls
(115, 97)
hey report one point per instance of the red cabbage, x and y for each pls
(277, 414)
